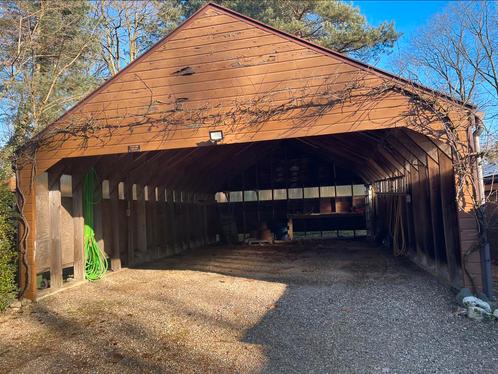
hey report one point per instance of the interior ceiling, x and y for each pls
(372, 155)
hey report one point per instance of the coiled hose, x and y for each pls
(95, 259)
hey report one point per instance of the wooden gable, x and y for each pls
(221, 71)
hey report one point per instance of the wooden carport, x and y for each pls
(147, 134)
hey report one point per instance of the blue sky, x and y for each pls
(408, 16)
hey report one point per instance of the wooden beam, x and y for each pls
(78, 227)
(42, 236)
(417, 216)
(411, 147)
(424, 205)
(130, 213)
(424, 143)
(54, 197)
(161, 221)
(141, 222)
(436, 214)
(116, 244)
(450, 218)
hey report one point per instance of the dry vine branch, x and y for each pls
(302, 107)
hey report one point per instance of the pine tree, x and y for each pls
(333, 24)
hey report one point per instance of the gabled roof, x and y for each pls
(317, 48)
(347, 59)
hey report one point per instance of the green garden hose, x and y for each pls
(95, 259)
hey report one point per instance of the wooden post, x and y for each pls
(129, 213)
(116, 244)
(42, 237)
(54, 197)
(160, 221)
(290, 228)
(424, 205)
(153, 204)
(79, 226)
(171, 222)
(436, 213)
(205, 237)
(417, 217)
(450, 220)
(141, 224)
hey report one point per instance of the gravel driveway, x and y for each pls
(340, 307)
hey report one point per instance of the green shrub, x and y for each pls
(8, 264)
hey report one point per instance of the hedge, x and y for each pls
(8, 263)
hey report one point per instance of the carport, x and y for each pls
(228, 129)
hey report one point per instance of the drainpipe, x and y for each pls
(487, 281)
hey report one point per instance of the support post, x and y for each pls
(141, 224)
(78, 226)
(160, 222)
(436, 213)
(116, 244)
(54, 197)
(129, 214)
(290, 228)
(450, 220)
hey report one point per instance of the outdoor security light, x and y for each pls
(216, 136)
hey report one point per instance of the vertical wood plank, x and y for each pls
(130, 212)
(78, 228)
(205, 232)
(417, 218)
(424, 205)
(116, 244)
(153, 203)
(42, 236)
(141, 224)
(160, 221)
(54, 197)
(450, 221)
(171, 222)
(290, 228)
(436, 215)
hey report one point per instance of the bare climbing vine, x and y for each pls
(302, 106)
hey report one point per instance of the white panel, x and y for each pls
(280, 194)
(295, 193)
(311, 193)
(327, 191)
(265, 195)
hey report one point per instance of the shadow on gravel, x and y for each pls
(93, 337)
(348, 306)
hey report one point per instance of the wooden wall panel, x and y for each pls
(55, 229)
(78, 227)
(67, 232)
(116, 225)
(42, 218)
(225, 60)
(217, 61)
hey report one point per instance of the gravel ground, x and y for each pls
(337, 307)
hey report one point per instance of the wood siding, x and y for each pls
(224, 72)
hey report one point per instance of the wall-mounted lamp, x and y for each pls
(216, 136)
